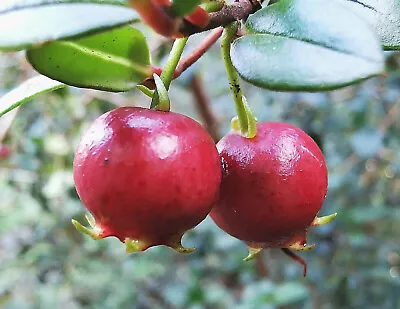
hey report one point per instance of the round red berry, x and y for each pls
(146, 176)
(273, 186)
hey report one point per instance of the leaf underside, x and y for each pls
(383, 16)
(27, 91)
(282, 64)
(34, 24)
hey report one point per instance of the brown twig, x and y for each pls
(203, 106)
(239, 10)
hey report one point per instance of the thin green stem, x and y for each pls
(251, 120)
(247, 121)
(169, 68)
(174, 57)
(233, 76)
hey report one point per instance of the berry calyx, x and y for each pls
(146, 176)
(272, 188)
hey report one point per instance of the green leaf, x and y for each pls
(29, 23)
(184, 7)
(27, 91)
(114, 61)
(296, 45)
(10, 5)
(384, 16)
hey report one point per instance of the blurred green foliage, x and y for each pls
(45, 263)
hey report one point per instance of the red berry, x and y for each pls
(146, 176)
(273, 186)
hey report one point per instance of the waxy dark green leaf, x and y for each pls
(384, 16)
(184, 7)
(298, 45)
(25, 24)
(116, 60)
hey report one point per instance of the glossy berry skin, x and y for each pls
(147, 175)
(273, 186)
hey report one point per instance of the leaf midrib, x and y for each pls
(283, 35)
(140, 69)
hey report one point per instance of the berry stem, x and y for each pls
(251, 120)
(169, 68)
(199, 51)
(247, 121)
(233, 77)
(147, 86)
(172, 62)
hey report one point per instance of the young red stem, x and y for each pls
(298, 259)
(199, 51)
(195, 55)
(154, 15)
(158, 71)
(203, 106)
(199, 17)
